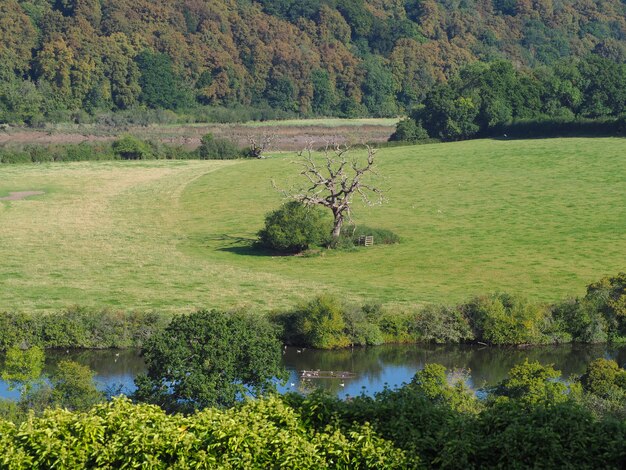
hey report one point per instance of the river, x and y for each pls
(364, 370)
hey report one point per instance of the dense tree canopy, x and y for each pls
(341, 57)
(209, 358)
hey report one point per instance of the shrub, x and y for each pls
(320, 323)
(218, 149)
(360, 327)
(258, 434)
(350, 236)
(39, 154)
(408, 130)
(80, 328)
(605, 378)
(131, 148)
(441, 324)
(79, 153)
(395, 326)
(608, 295)
(15, 157)
(532, 384)
(506, 319)
(581, 319)
(294, 227)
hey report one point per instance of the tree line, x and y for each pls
(580, 97)
(66, 60)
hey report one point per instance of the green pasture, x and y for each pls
(539, 217)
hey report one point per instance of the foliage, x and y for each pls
(323, 57)
(441, 324)
(433, 383)
(258, 434)
(409, 130)
(609, 297)
(447, 427)
(73, 387)
(506, 319)
(581, 319)
(531, 384)
(605, 385)
(294, 227)
(160, 88)
(381, 236)
(78, 327)
(605, 379)
(582, 97)
(209, 358)
(131, 148)
(320, 323)
(217, 149)
(22, 367)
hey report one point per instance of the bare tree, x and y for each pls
(334, 183)
(258, 147)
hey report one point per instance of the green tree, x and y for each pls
(506, 319)
(320, 323)
(281, 93)
(605, 379)
(210, 358)
(73, 387)
(379, 88)
(408, 130)
(532, 384)
(609, 297)
(23, 367)
(294, 227)
(447, 116)
(324, 97)
(160, 87)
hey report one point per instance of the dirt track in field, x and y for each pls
(283, 137)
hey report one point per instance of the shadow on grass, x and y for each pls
(245, 247)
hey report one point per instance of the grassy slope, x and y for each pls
(540, 217)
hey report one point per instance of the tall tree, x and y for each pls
(210, 358)
(335, 183)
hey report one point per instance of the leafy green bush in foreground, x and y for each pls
(530, 420)
(259, 434)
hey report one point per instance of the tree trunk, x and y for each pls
(337, 227)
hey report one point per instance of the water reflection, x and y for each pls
(373, 368)
(393, 365)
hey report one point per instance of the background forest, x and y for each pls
(67, 60)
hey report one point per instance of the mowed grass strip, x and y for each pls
(539, 217)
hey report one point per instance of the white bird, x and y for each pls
(342, 384)
(293, 384)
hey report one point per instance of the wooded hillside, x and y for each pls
(312, 57)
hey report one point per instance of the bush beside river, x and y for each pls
(327, 322)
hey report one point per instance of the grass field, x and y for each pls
(538, 217)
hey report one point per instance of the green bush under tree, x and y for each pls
(295, 227)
